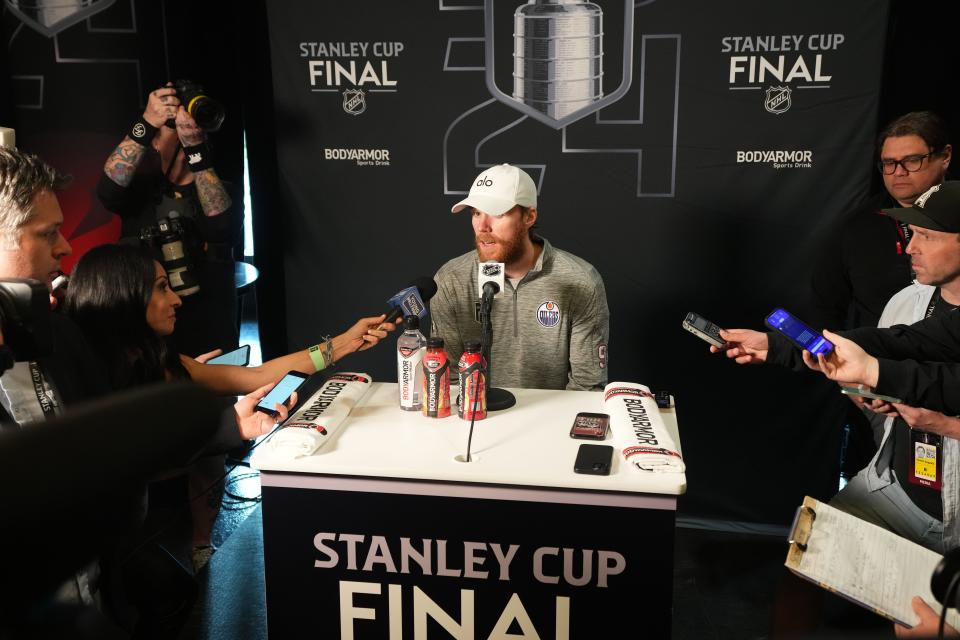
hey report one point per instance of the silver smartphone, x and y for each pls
(866, 393)
(703, 329)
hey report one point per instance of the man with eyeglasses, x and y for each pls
(866, 263)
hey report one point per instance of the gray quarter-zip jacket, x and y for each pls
(549, 332)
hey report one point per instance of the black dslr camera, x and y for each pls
(167, 238)
(25, 319)
(207, 112)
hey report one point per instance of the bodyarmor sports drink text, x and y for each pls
(436, 380)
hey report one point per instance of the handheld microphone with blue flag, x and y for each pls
(411, 301)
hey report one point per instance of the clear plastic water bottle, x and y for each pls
(410, 348)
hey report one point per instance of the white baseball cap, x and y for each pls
(499, 189)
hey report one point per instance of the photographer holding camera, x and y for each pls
(160, 180)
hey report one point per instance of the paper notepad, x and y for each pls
(862, 562)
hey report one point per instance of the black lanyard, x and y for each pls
(936, 299)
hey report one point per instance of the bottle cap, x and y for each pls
(411, 322)
(472, 346)
(435, 342)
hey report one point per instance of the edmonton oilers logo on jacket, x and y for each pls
(548, 314)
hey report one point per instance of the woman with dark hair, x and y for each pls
(121, 298)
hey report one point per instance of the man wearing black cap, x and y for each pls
(911, 485)
(917, 498)
(918, 363)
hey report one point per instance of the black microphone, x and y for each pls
(411, 301)
(490, 289)
(490, 279)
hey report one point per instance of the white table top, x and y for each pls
(527, 445)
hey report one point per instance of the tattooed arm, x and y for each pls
(210, 190)
(123, 162)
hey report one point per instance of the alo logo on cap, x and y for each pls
(923, 197)
(548, 314)
(483, 181)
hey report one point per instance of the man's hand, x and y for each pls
(847, 362)
(252, 423)
(929, 421)
(929, 624)
(190, 134)
(744, 345)
(872, 404)
(162, 105)
(880, 406)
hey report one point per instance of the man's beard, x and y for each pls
(506, 250)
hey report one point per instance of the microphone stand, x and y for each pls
(497, 399)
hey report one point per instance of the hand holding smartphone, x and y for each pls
(238, 357)
(798, 333)
(867, 393)
(281, 392)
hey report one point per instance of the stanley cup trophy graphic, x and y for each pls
(558, 56)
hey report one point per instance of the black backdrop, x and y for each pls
(649, 190)
(334, 239)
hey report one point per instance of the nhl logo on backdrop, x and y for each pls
(778, 99)
(354, 101)
(548, 314)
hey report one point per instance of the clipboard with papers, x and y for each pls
(862, 562)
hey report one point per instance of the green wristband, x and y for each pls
(316, 356)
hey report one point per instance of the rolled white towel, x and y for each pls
(637, 425)
(311, 427)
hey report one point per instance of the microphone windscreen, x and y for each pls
(427, 287)
(490, 272)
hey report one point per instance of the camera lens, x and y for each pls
(207, 112)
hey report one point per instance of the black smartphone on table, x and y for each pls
(797, 332)
(594, 459)
(238, 357)
(281, 392)
(703, 329)
(592, 426)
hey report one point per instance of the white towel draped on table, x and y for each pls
(638, 428)
(311, 427)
